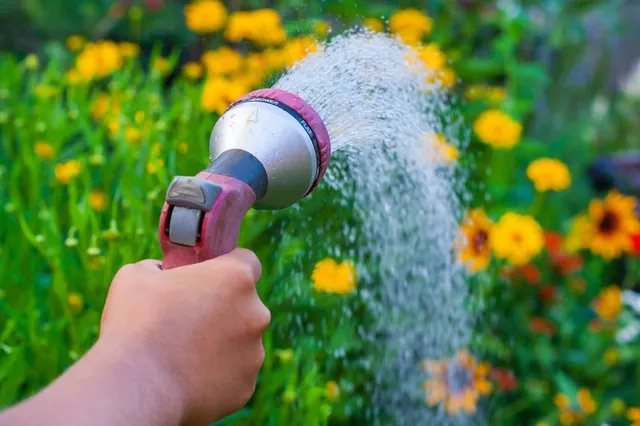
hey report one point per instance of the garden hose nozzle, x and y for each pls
(268, 150)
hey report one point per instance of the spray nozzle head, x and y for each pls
(284, 134)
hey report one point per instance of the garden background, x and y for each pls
(102, 102)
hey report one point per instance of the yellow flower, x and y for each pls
(128, 49)
(132, 135)
(284, 355)
(262, 26)
(443, 150)
(321, 28)
(192, 70)
(44, 150)
(612, 222)
(586, 401)
(562, 401)
(517, 238)
(206, 16)
(568, 418)
(374, 24)
(73, 77)
(608, 304)
(162, 66)
(75, 43)
(497, 129)
(548, 174)
(446, 78)
(577, 238)
(100, 106)
(114, 126)
(139, 117)
(633, 414)
(223, 61)
(99, 59)
(183, 148)
(618, 406)
(570, 414)
(482, 91)
(474, 245)
(218, 93)
(432, 56)
(332, 391)
(330, 276)
(76, 302)
(611, 356)
(98, 200)
(154, 167)
(496, 94)
(297, 48)
(411, 25)
(475, 92)
(67, 171)
(457, 383)
(32, 62)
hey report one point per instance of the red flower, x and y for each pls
(528, 273)
(154, 4)
(548, 293)
(564, 262)
(567, 264)
(505, 379)
(635, 244)
(553, 241)
(541, 325)
(596, 325)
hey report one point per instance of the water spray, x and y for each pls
(268, 150)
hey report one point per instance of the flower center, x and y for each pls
(479, 240)
(609, 223)
(459, 378)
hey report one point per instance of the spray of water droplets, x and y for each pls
(382, 115)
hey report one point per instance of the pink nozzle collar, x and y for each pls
(308, 114)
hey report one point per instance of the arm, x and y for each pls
(176, 347)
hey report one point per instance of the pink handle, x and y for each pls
(220, 226)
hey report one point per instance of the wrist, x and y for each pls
(143, 376)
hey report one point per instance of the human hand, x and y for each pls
(200, 326)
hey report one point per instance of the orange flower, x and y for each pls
(608, 304)
(564, 262)
(541, 325)
(596, 325)
(457, 383)
(529, 273)
(505, 379)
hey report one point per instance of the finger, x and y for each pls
(150, 264)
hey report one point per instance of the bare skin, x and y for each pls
(177, 347)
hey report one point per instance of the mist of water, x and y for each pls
(381, 114)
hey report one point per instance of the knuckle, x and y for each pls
(265, 316)
(124, 274)
(260, 318)
(242, 276)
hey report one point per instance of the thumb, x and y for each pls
(239, 258)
